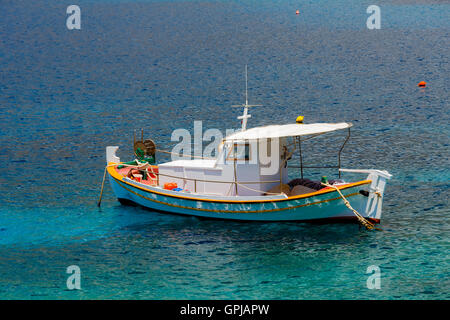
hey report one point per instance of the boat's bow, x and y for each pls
(375, 192)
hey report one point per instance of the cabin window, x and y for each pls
(268, 147)
(239, 151)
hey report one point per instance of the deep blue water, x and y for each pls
(160, 65)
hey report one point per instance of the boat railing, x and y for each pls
(302, 166)
(150, 172)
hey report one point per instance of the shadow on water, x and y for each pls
(202, 230)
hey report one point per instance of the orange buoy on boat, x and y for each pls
(422, 84)
(170, 185)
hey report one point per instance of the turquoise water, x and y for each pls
(160, 65)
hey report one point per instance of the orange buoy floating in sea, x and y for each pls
(422, 84)
(297, 11)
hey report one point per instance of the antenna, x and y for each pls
(246, 86)
(245, 115)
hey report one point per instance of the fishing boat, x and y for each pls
(241, 184)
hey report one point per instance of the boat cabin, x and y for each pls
(240, 169)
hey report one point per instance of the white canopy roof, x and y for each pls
(287, 130)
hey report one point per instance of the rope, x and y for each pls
(266, 192)
(153, 172)
(101, 191)
(366, 223)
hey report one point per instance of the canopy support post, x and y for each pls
(234, 165)
(300, 153)
(340, 150)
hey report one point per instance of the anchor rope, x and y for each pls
(366, 223)
(101, 191)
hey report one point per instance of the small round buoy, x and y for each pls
(297, 11)
(422, 84)
(299, 119)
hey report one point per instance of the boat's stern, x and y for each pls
(111, 154)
